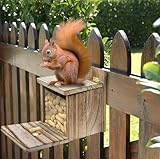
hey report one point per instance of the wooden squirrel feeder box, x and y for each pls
(67, 113)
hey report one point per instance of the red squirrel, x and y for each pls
(66, 54)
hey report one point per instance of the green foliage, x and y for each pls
(107, 47)
(135, 17)
(154, 142)
(51, 12)
(151, 71)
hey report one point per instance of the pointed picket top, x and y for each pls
(148, 53)
(120, 55)
(5, 32)
(54, 31)
(0, 31)
(13, 34)
(32, 36)
(22, 37)
(96, 49)
(43, 35)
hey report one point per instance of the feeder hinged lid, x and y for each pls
(68, 89)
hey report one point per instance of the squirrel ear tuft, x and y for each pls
(52, 42)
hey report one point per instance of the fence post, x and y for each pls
(95, 47)
(148, 130)
(120, 62)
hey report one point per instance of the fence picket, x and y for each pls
(1, 31)
(95, 151)
(32, 37)
(58, 152)
(74, 149)
(43, 35)
(23, 83)
(22, 38)
(7, 89)
(13, 33)
(34, 88)
(120, 61)
(95, 47)
(8, 104)
(15, 87)
(148, 130)
(2, 110)
(5, 32)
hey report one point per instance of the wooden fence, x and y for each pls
(20, 95)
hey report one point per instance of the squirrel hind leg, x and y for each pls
(70, 73)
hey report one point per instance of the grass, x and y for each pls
(134, 121)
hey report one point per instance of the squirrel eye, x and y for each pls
(48, 51)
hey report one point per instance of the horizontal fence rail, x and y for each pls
(20, 95)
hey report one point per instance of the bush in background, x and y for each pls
(135, 17)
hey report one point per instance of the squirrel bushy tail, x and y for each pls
(66, 37)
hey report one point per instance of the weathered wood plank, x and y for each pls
(95, 48)
(58, 152)
(74, 149)
(34, 98)
(2, 112)
(17, 56)
(94, 110)
(24, 136)
(133, 150)
(22, 35)
(23, 95)
(41, 136)
(23, 84)
(24, 105)
(32, 37)
(43, 35)
(15, 87)
(120, 61)
(68, 89)
(120, 86)
(33, 86)
(8, 104)
(97, 139)
(1, 28)
(44, 131)
(95, 146)
(5, 32)
(51, 131)
(13, 34)
(16, 104)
